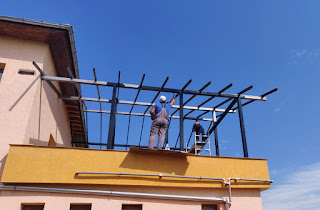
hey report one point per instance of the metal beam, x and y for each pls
(117, 145)
(164, 83)
(184, 87)
(177, 140)
(75, 98)
(146, 115)
(243, 132)
(245, 90)
(263, 95)
(189, 139)
(72, 77)
(135, 100)
(141, 129)
(201, 89)
(223, 115)
(181, 122)
(95, 79)
(49, 82)
(151, 88)
(112, 122)
(167, 133)
(239, 95)
(118, 85)
(60, 95)
(209, 99)
(216, 140)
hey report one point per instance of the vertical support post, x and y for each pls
(216, 140)
(243, 132)
(181, 122)
(112, 122)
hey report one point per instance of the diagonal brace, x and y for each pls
(223, 115)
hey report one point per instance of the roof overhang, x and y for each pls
(61, 41)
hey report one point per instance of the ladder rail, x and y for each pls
(197, 150)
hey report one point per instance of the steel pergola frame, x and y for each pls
(215, 120)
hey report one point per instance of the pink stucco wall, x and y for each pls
(241, 200)
(29, 109)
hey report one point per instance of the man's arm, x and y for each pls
(202, 129)
(152, 111)
(173, 100)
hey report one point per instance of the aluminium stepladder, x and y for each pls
(199, 145)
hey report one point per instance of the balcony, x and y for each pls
(28, 164)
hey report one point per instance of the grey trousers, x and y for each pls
(159, 127)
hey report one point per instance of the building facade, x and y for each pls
(42, 168)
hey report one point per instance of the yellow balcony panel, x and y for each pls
(55, 165)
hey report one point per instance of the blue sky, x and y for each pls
(265, 44)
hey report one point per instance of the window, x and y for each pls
(32, 206)
(209, 207)
(80, 206)
(2, 65)
(131, 206)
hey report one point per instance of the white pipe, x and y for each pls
(137, 103)
(241, 179)
(111, 193)
(157, 175)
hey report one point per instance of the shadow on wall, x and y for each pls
(24, 93)
(156, 162)
(3, 162)
(57, 108)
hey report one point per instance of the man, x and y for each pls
(197, 128)
(159, 115)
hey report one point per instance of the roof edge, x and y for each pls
(67, 27)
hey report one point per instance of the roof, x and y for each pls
(61, 41)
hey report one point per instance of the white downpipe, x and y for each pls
(229, 202)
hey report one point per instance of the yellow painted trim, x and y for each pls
(54, 165)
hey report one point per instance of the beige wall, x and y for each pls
(29, 109)
(242, 200)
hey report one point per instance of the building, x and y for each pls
(46, 159)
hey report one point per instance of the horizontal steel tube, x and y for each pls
(123, 85)
(117, 145)
(147, 115)
(73, 98)
(253, 180)
(110, 193)
(157, 175)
